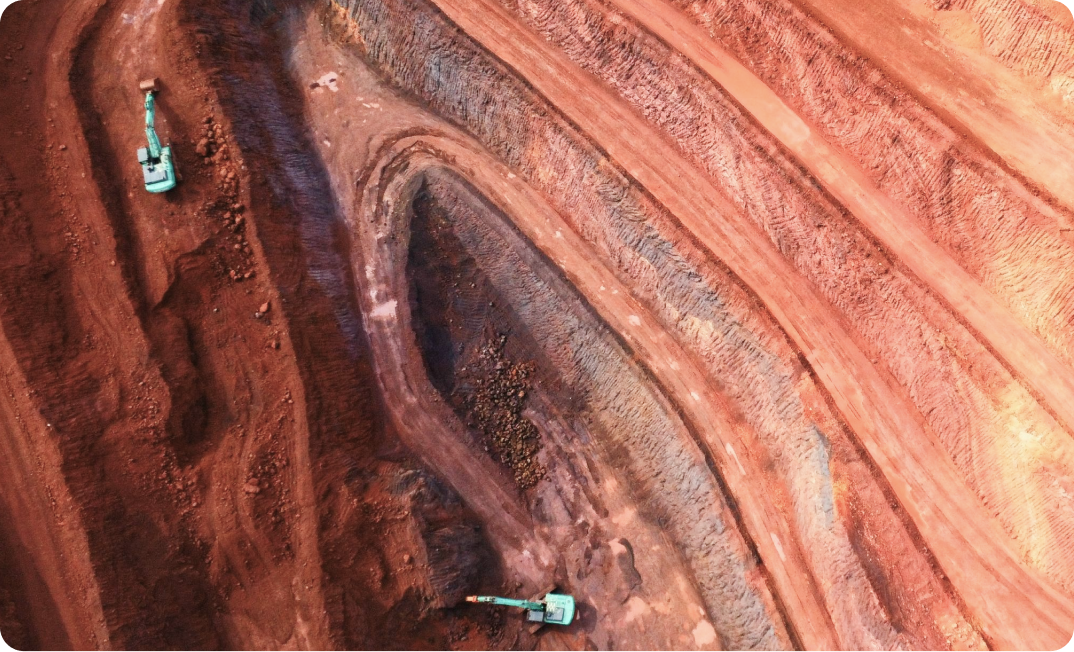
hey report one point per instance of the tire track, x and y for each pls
(1033, 362)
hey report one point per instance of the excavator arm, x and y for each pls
(150, 131)
(507, 602)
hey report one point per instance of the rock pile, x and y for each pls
(209, 147)
(214, 153)
(494, 407)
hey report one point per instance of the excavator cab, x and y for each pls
(158, 169)
(158, 172)
(558, 609)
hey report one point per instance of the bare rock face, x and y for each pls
(455, 562)
(451, 551)
(746, 323)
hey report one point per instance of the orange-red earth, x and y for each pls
(748, 323)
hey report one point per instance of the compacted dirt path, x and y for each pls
(895, 228)
(1000, 71)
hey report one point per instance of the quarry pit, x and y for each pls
(747, 323)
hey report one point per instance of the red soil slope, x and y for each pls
(746, 322)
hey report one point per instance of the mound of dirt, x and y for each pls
(492, 391)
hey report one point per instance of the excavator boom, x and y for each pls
(150, 130)
(158, 170)
(506, 602)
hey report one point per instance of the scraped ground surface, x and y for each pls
(748, 323)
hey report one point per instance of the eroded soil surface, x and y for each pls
(748, 323)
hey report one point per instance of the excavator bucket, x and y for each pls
(147, 85)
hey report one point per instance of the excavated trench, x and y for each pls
(505, 305)
(469, 345)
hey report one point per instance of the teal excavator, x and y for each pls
(554, 609)
(157, 166)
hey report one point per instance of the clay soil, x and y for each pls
(748, 323)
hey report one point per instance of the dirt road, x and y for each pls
(896, 229)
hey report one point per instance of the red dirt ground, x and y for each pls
(749, 323)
